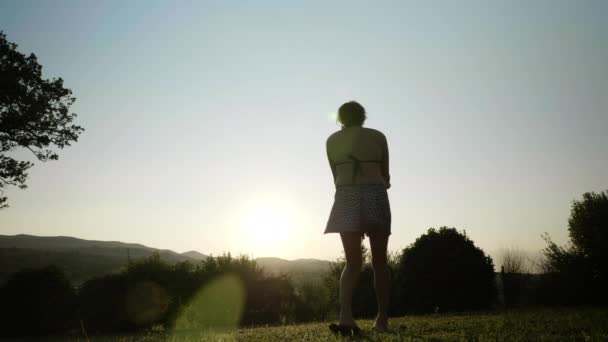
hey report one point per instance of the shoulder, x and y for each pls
(332, 137)
(376, 133)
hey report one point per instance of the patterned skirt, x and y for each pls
(360, 208)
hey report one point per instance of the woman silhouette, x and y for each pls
(358, 158)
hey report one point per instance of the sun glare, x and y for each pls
(267, 229)
(332, 116)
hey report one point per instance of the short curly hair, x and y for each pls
(351, 113)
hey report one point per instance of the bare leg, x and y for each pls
(378, 243)
(348, 280)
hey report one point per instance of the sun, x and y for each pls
(267, 229)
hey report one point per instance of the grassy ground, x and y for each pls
(562, 324)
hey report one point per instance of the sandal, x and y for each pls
(345, 330)
(379, 330)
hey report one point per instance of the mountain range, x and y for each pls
(83, 259)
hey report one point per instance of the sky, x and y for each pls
(206, 121)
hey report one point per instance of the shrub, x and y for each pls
(38, 302)
(268, 299)
(588, 230)
(312, 302)
(443, 270)
(515, 278)
(578, 273)
(102, 304)
(567, 277)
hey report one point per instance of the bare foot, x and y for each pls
(380, 329)
(381, 324)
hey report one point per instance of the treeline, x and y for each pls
(148, 292)
(442, 271)
(574, 274)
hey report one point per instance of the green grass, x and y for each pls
(547, 324)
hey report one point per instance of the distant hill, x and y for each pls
(278, 265)
(83, 259)
(80, 259)
(301, 270)
(59, 242)
(195, 255)
(94, 247)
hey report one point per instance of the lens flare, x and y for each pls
(217, 308)
(332, 116)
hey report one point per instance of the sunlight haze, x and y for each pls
(205, 122)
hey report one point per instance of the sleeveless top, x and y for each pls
(356, 167)
(358, 146)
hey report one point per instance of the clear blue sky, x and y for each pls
(204, 118)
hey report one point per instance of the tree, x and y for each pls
(102, 304)
(588, 227)
(517, 283)
(443, 270)
(567, 276)
(38, 302)
(515, 261)
(578, 272)
(312, 302)
(34, 114)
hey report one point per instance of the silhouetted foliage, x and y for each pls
(148, 291)
(588, 228)
(313, 302)
(578, 273)
(567, 277)
(517, 284)
(515, 261)
(269, 299)
(34, 114)
(102, 304)
(443, 271)
(521, 289)
(37, 302)
(151, 291)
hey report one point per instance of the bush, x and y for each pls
(578, 273)
(150, 292)
(443, 271)
(102, 304)
(588, 230)
(269, 300)
(38, 302)
(517, 282)
(567, 277)
(312, 302)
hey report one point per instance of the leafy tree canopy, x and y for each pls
(588, 228)
(34, 114)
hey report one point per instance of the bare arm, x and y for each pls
(331, 165)
(385, 173)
